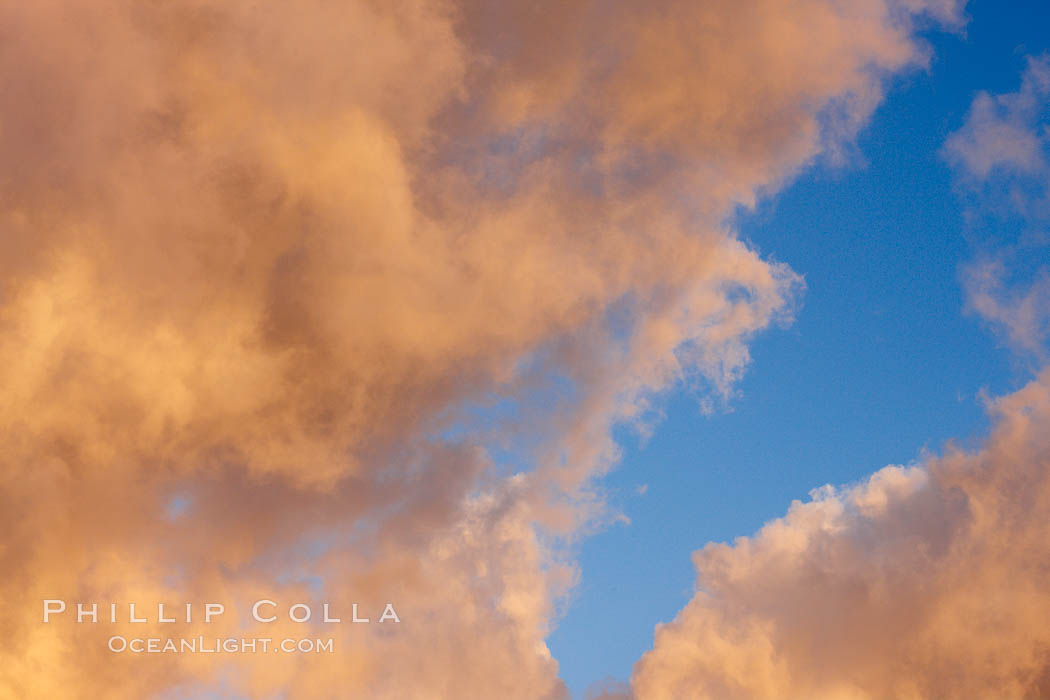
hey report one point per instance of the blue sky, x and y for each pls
(881, 363)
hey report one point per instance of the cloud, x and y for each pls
(922, 581)
(1020, 311)
(1002, 133)
(269, 263)
(1000, 156)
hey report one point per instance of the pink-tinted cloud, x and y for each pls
(1000, 155)
(1003, 133)
(259, 260)
(922, 581)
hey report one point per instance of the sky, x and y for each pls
(631, 350)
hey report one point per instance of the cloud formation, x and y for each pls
(265, 264)
(922, 581)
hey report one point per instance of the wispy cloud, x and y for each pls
(1006, 134)
(1002, 157)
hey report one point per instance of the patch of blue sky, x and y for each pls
(178, 506)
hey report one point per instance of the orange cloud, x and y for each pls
(923, 581)
(260, 261)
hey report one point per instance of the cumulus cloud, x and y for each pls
(922, 581)
(260, 267)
